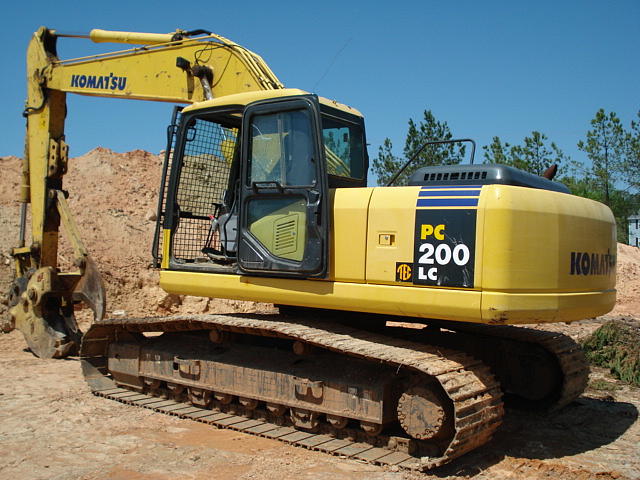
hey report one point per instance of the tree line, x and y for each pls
(610, 174)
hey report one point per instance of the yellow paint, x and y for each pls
(147, 73)
(529, 235)
(453, 187)
(386, 239)
(227, 147)
(528, 238)
(45, 127)
(150, 73)
(411, 301)
(384, 299)
(283, 231)
(246, 97)
(518, 308)
(524, 240)
(391, 212)
(348, 239)
(427, 230)
(524, 237)
(166, 248)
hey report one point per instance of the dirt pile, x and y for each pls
(9, 218)
(628, 281)
(113, 197)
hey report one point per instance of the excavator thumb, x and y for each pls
(90, 290)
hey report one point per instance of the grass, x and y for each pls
(616, 346)
(604, 385)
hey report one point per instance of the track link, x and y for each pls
(320, 442)
(472, 390)
(572, 364)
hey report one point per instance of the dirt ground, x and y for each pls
(51, 427)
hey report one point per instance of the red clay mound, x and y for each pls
(113, 197)
(628, 281)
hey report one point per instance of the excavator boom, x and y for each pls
(179, 67)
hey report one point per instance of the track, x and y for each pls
(473, 392)
(564, 359)
(320, 442)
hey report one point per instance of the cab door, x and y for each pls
(283, 190)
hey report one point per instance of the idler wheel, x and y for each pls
(422, 413)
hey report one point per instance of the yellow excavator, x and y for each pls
(395, 341)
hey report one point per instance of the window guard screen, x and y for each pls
(156, 249)
(204, 176)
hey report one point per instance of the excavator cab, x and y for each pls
(248, 184)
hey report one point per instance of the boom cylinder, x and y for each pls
(136, 38)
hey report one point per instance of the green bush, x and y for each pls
(616, 346)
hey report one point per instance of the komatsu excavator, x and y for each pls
(395, 343)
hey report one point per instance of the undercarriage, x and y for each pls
(385, 397)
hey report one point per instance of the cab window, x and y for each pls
(281, 149)
(343, 147)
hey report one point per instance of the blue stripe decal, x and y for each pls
(449, 193)
(449, 186)
(447, 202)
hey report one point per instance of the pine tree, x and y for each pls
(533, 156)
(429, 129)
(605, 145)
(632, 160)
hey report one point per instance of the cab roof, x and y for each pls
(248, 97)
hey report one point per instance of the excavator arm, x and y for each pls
(179, 67)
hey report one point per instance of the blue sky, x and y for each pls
(487, 68)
